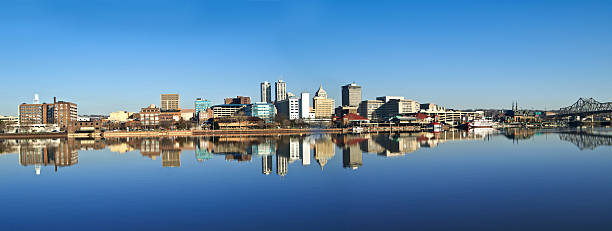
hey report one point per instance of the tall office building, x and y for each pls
(323, 106)
(281, 90)
(289, 108)
(64, 113)
(266, 92)
(351, 95)
(305, 106)
(170, 102)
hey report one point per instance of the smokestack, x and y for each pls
(54, 102)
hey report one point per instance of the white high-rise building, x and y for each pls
(305, 106)
(266, 92)
(294, 108)
(281, 90)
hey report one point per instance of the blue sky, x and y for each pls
(120, 55)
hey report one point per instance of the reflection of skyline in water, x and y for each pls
(288, 150)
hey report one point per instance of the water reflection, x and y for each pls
(274, 151)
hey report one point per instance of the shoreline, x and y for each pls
(188, 133)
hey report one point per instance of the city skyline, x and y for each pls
(482, 54)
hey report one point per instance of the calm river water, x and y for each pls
(478, 180)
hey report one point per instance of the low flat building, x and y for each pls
(431, 108)
(187, 114)
(386, 107)
(120, 116)
(9, 119)
(85, 126)
(226, 110)
(453, 117)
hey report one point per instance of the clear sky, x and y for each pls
(120, 55)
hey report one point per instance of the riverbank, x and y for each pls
(33, 135)
(186, 133)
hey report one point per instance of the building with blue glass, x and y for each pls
(201, 106)
(264, 111)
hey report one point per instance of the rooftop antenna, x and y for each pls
(36, 100)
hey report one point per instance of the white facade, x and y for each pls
(305, 153)
(83, 119)
(294, 108)
(266, 92)
(294, 150)
(119, 116)
(305, 112)
(281, 90)
(9, 119)
(431, 108)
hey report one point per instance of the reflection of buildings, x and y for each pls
(201, 151)
(66, 155)
(281, 165)
(171, 158)
(352, 157)
(294, 149)
(120, 148)
(402, 143)
(238, 157)
(371, 146)
(263, 148)
(516, 134)
(150, 148)
(59, 153)
(305, 152)
(266, 164)
(324, 150)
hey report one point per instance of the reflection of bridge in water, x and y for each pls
(585, 140)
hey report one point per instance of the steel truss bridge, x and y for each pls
(585, 107)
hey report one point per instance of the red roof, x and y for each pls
(421, 116)
(354, 117)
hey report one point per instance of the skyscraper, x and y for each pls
(305, 106)
(351, 95)
(266, 92)
(281, 90)
(323, 106)
(169, 102)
